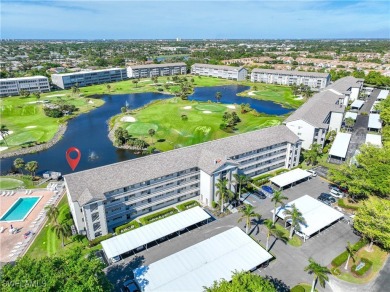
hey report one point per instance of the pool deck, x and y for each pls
(13, 245)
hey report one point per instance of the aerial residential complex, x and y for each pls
(314, 80)
(220, 71)
(152, 70)
(13, 86)
(103, 198)
(85, 78)
(323, 112)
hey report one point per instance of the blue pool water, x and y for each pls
(20, 209)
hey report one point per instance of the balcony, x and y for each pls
(239, 160)
(276, 155)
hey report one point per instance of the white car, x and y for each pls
(115, 259)
(336, 194)
(313, 172)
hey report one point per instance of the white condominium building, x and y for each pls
(103, 198)
(323, 112)
(13, 86)
(86, 78)
(314, 80)
(220, 71)
(152, 70)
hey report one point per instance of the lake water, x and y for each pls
(88, 132)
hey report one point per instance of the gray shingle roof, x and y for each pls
(317, 109)
(93, 183)
(344, 84)
(156, 65)
(287, 72)
(219, 67)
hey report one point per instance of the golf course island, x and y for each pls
(174, 123)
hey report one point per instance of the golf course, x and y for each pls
(179, 123)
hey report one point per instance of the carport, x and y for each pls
(290, 178)
(374, 109)
(144, 235)
(383, 94)
(350, 115)
(199, 265)
(340, 146)
(357, 104)
(317, 215)
(374, 139)
(374, 122)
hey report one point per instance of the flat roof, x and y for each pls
(146, 66)
(350, 115)
(199, 265)
(374, 106)
(340, 145)
(383, 94)
(88, 72)
(288, 72)
(133, 239)
(218, 67)
(23, 78)
(357, 104)
(317, 215)
(290, 177)
(374, 139)
(374, 121)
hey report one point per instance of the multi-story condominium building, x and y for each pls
(13, 86)
(316, 81)
(86, 78)
(152, 70)
(103, 198)
(323, 112)
(220, 71)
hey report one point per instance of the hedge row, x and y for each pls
(345, 206)
(99, 239)
(157, 216)
(187, 205)
(127, 227)
(362, 271)
(342, 258)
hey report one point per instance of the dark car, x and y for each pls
(260, 195)
(130, 286)
(326, 199)
(267, 189)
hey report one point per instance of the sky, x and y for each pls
(218, 19)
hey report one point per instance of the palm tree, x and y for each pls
(151, 133)
(278, 198)
(248, 213)
(31, 167)
(221, 190)
(19, 164)
(275, 232)
(52, 213)
(239, 181)
(218, 96)
(349, 122)
(4, 131)
(62, 230)
(320, 273)
(108, 87)
(37, 95)
(296, 219)
(135, 82)
(75, 89)
(351, 254)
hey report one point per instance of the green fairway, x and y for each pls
(10, 183)
(202, 124)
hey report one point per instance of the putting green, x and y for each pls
(140, 128)
(9, 183)
(25, 137)
(210, 107)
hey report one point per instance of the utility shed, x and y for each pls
(201, 264)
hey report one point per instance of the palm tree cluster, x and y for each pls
(304, 90)
(122, 137)
(31, 166)
(61, 229)
(223, 192)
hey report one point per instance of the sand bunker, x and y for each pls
(231, 106)
(251, 93)
(30, 127)
(207, 112)
(187, 107)
(128, 119)
(299, 97)
(3, 148)
(9, 133)
(56, 95)
(90, 101)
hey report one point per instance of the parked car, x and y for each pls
(260, 195)
(130, 286)
(326, 199)
(313, 172)
(267, 189)
(336, 193)
(115, 259)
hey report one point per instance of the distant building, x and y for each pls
(220, 71)
(152, 70)
(13, 86)
(314, 80)
(86, 78)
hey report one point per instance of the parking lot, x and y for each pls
(290, 261)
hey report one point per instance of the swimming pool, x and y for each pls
(20, 209)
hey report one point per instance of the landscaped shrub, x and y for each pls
(127, 227)
(187, 205)
(214, 204)
(279, 171)
(362, 271)
(297, 288)
(262, 179)
(343, 205)
(157, 216)
(335, 271)
(98, 240)
(341, 258)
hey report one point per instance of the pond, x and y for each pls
(88, 132)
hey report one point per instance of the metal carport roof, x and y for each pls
(374, 121)
(340, 145)
(290, 177)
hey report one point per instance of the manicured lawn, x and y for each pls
(202, 125)
(377, 257)
(18, 180)
(10, 183)
(295, 241)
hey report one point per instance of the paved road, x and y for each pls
(286, 270)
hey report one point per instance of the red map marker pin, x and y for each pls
(73, 162)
